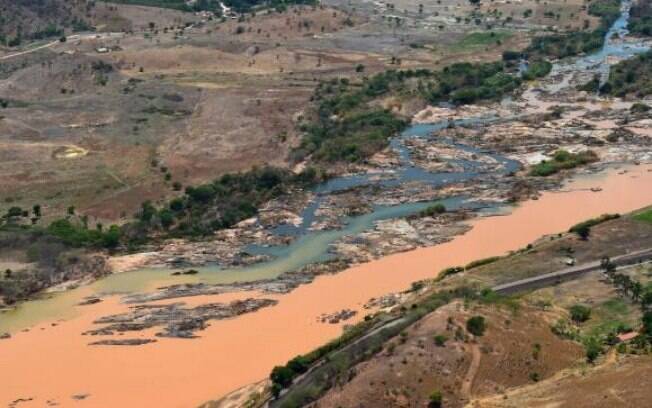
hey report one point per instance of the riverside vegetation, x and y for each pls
(578, 42)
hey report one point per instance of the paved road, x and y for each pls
(571, 272)
(507, 288)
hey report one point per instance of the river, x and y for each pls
(47, 358)
(54, 362)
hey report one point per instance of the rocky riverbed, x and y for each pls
(176, 319)
(495, 143)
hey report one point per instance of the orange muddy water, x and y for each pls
(54, 363)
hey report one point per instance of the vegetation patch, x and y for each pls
(348, 126)
(481, 39)
(481, 262)
(578, 42)
(435, 209)
(645, 216)
(476, 325)
(583, 229)
(640, 21)
(537, 69)
(216, 205)
(630, 77)
(580, 313)
(562, 160)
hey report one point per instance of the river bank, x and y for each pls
(217, 362)
(266, 290)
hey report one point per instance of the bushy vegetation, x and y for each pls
(349, 126)
(645, 215)
(639, 107)
(464, 83)
(580, 313)
(562, 160)
(630, 77)
(436, 399)
(607, 10)
(435, 209)
(71, 231)
(444, 273)
(592, 347)
(583, 229)
(578, 42)
(49, 256)
(79, 235)
(640, 21)
(440, 340)
(537, 69)
(476, 325)
(345, 126)
(216, 205)
(473, 264)
(481, 262)
(591, 86)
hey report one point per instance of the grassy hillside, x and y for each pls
(453, 341)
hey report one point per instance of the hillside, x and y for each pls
(26, 20)
(559, 337)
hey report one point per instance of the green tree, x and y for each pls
(14, 212)
(647, 323)
(147, 211)
(593, 349)
(440, 340)
(580, 313)
(167, 218)
(282, 375)
(436, 400)
(476, 325)
(111, 238)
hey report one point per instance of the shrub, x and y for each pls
(481, 262)
(583, 229)
(435, 400)
(432, 210)
(639, 107)
(537, 69)
(562, 160)
(476, 325)
(647, 323)
(580, 313)
(440, 340)
(593, 348)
